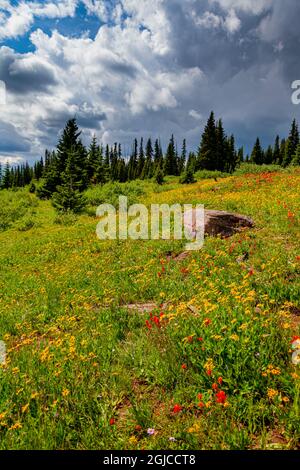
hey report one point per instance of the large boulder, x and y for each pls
(225, 224)
(217, 223)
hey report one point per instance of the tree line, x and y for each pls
(71, 167)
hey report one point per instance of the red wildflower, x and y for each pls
(190, 339)
(251, 271)
(220, 380)
(200, 396)
(112, 421)
(209, 372)
(221, 397)
(207, 322)
(215, 387)
(200, 339)
(177, 409)
(156, 321)
(138, 428)
(184, 366)
(148, 325)
(201, 404)
(295, 338)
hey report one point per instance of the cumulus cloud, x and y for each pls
(15, 20)
(153, 68)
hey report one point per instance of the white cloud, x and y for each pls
(16, 20)
(195, 114)
(249, 6)
(11, 159)
(232, 22)
(209, 20)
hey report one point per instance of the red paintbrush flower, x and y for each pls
(221, 397)
(112, 421)
(177, 409)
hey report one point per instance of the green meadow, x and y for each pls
(208, 366)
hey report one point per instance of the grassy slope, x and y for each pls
(77, 359)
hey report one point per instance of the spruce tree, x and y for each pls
(170, 160)
(182, 160)
(148, 167)
(141, 160)
(133, 162)
(159, 175)
(276, 151)
(257, 155)
(296, 157)
(206, 159)
(291, 144)
(6, 179)
(282, 151)
(93, 159)
(268, 156)
(222, 154)
(68, 197)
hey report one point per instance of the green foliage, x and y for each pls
(84, 371)
(159, 176)
(206, 174)
(16, 206)
(110, 192)
(188, 176)
(250, 168)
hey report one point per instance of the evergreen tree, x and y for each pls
(133, 162)
(170, 160)
(291, 144)
(159, 175)
(296, 157)
(257, 155)
(68, 197)
(93, 159)
(268, 156)
(206, 159)
(6, 178)
(282, 151)
(141, 160)
(182, 160)
(241, 155)
(192, 162)
(148, 167)
(188, 176)
(222, 154)
(276, 151)
(69, 141)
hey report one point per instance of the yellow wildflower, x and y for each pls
(272, 393)
(25, 408)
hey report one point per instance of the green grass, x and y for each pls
(84, 372)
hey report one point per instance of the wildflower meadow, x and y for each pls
(125, 344)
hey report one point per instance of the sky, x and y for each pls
(132, 68)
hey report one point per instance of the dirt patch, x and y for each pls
(145, 308)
